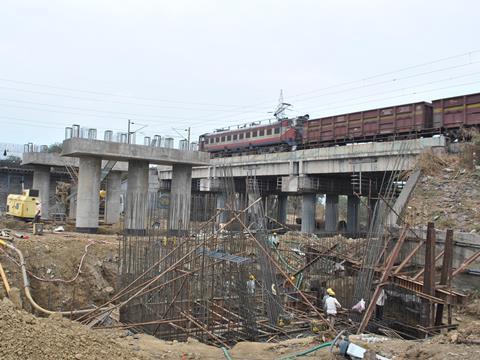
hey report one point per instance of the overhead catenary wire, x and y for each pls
(241, 110)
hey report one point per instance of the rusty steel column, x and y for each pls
(446, 276)
(429, 275)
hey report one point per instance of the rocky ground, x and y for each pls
(448, 193)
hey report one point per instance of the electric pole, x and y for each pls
(128, 133)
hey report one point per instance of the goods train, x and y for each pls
(443, 116)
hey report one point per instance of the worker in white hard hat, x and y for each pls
(331, 305)
(251, 284)
(273, 240)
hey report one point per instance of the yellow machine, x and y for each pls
(23, 206)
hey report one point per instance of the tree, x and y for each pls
(55, 148)
(11, 160)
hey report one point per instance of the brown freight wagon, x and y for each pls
(370, 124)
(456, 112)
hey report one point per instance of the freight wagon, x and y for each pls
(447, 116)
(454, 113)
(369, 125)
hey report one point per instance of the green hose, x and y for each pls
(289, 267)
(226, 353)
(306, 352)
(301, 353)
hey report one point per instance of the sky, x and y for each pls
(170, 65)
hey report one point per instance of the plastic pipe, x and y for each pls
(5, 280)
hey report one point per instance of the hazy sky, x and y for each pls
(210, 64)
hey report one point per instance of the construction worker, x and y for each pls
(251, 284)
(331, 305)
(273, 240)
(38, 213)
(380, 304)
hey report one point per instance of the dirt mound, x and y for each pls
(24, 336)
(53, 262)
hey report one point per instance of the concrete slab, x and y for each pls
(77, 147)
(55, 159)
(364, 157)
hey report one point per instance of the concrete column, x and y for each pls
(41, 182)
(72, 206)
(372, 204)
(221, 200)
(112, 202)
(308, 213)
(282, 209)
(88, 194)
(353, 205)
(180, 197)
(137, 191)
(265, 204)
(331, 212)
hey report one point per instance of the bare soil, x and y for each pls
(58, 256)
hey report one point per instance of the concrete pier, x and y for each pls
(112, 202)
(180, 197)
(88, 194)
(221, 200)
(331, 212)
(41, 182)
(308, 213)
(72, 203)
(137, 192)
(353, 206)
(282, 209)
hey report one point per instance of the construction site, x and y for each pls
(217, 275)
(270, 180)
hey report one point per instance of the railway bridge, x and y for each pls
(354, 170)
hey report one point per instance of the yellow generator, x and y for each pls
(23, 206)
